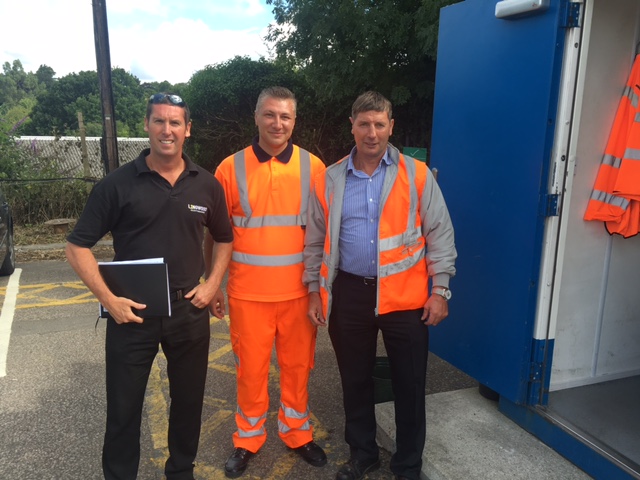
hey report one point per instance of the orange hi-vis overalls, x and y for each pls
(615, 199)
(267, 202)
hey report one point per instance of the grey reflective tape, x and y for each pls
(413, 193)
(632, 154)
(633, 97)
(248, 221)
(241, 180)
(408, 238)
(403, 265)
(285, 429)
(250, 433)
(253, 421)
(305, 184)
(268, 221)
(267, 260)
(293, 413)
(631, 94)
(611, 161)
(610, 199)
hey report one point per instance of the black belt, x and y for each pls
(369, 281)
(178, 294)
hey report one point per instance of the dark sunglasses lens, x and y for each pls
(159, 97)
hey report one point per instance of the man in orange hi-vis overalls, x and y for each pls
(267, 187)
(615, 198)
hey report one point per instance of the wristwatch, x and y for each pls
(444, 292)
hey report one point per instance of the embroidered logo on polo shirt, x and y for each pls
(197, 208)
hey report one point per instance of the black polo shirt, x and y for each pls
(149, 218)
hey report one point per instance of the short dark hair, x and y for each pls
(281, 93)
(371, 101)
(168, 98)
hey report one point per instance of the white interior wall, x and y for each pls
(597, 294)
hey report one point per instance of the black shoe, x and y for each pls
(400, 477)
(237, 462)
(312, 454)
(356, 469)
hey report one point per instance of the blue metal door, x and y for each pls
(497, 86)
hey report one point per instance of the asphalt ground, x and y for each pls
(52, 398)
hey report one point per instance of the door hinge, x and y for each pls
(571, 15)
(535, 372)
(550, 204)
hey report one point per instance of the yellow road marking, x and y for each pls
(156, 398)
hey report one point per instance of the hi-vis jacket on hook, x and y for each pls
(615, 199)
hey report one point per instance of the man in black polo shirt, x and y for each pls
(156, 206)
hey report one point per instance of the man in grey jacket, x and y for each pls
(378, 232)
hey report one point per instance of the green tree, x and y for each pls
(346, 47)
(56, 112)
(222, 99)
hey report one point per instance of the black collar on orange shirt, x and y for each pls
(263, 156)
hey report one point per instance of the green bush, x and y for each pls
(36, 202)
(34, 188)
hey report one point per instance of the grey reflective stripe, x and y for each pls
(631, 95)
(293, 413)
(284, 428)
(411, 234)
(267, 260)
(240, 167)
(250, 433)
(268, 221)
(632, 154)
(253, 421)
(607, 198)
(611, 161)
(408, 238)
(305, 184)
(403, 265)
(249, 221)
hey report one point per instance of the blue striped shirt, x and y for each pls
(360, 217)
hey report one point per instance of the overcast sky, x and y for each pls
(155, 40)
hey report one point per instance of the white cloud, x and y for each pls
(176, 50)
(155, 40)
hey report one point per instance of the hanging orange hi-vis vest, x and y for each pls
(615, 199)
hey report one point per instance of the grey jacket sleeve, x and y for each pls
(313, 244)
(438, 232)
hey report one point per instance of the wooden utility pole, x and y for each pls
(109, 141)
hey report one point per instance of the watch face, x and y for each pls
(444, 292)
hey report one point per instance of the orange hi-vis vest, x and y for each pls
(615, 199)
(267, 202)
(402, 268)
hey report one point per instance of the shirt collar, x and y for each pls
(142, 167)
(385, 158)
(263, 156)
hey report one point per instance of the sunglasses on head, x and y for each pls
(160, 97)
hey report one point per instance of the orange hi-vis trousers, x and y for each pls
(255, 326)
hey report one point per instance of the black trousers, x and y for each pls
(353, 328)
(130, 351)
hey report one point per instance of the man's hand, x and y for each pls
(201, 295)
(435, 310)
(216, 306)
(120, 309)
(314, 313)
